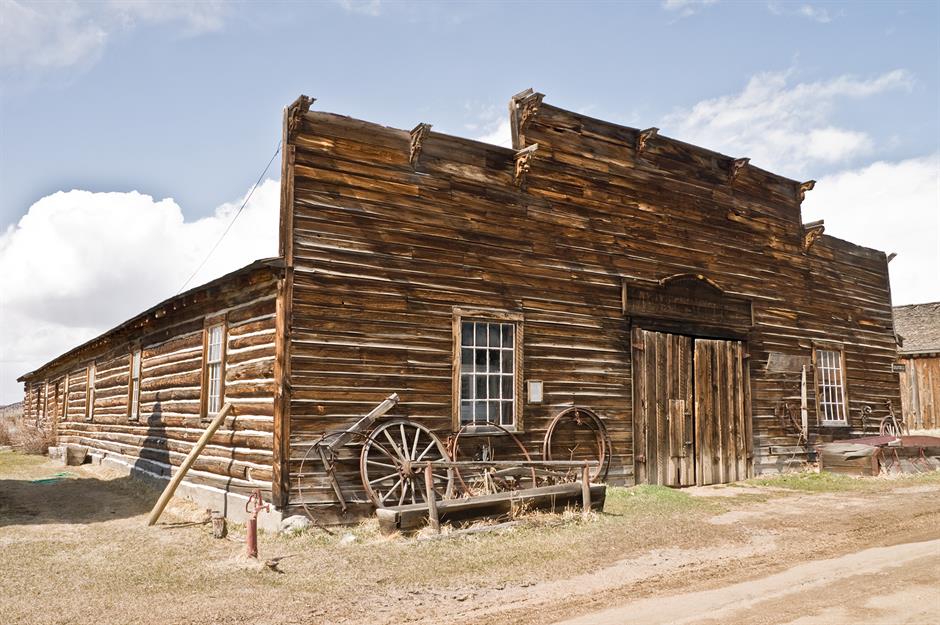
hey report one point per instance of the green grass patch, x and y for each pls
(809, 481)
(825, 482)
(15, 462)
(646, 499)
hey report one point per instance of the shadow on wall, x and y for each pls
(154, 453)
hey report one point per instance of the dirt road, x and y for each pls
(796, 550)
(883, 585)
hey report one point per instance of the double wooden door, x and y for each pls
(691, 422)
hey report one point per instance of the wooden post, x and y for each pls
(219, 529)
(585, 492)
(187, 463)
(433, 518)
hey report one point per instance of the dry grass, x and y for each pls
(82, 553)
(24, 436)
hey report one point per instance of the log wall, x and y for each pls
(239, 456)
(383, 244)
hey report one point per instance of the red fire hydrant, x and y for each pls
(251, 540)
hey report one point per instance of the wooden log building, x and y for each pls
(918, 327)
(673, 290)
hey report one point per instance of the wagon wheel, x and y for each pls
(484, 481)
(578, 434)
(391, 464)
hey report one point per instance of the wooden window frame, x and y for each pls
(64, 415)
(45, 401)
(90, 375)
(817, 382)
(38, 407)
(489, 316)
(212, 322)
(131, 416)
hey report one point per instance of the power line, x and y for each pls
(231, 223)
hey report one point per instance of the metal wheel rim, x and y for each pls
(598, 473)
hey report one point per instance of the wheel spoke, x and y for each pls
(383, 478)
(398, 451)
(414, 447)
(391, 490)
(404, 441)
(382, 464)
(426, 449)
(404, 491)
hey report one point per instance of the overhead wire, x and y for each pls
(234, 217)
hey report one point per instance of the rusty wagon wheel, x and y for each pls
(391, 464)
(578, 434)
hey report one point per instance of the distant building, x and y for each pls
(918, 325)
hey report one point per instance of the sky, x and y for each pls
(132, 132)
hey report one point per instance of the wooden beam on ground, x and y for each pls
(413, 517)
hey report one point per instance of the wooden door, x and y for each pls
(722, 412)
(663, 402)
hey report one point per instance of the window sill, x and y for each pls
(483, 430)
(833, 424)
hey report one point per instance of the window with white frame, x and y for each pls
(134, 408)
(488, 362)
(830, 386)
(215, 336)
(90, 393)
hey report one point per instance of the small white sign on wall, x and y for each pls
(534, 391)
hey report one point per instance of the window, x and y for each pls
(488, 365)
(64, 415)
(90, 393)
(214, 350)
(134, 410)
(830, 386)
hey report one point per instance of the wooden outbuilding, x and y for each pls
(918, 326)
(674, 291)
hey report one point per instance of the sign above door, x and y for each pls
(689, 298)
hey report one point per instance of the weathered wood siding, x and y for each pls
(239, 456)
(381, 252)
(920, 392)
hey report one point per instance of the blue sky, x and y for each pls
(181, 103)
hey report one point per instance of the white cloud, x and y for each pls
(79, 263)
(372, 8)
(893, 207)
(52, 35)
(686, 8)
(47, 35)
(781, 126)
(817, 14)
(498, 133)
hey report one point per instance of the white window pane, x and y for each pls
(486, 372)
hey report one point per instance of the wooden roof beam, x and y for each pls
(523, 161)
(644, 137)
(295, 113)
(522, 108)
(811, 232)
(418, 134)
(737, 165)
(809, 185)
